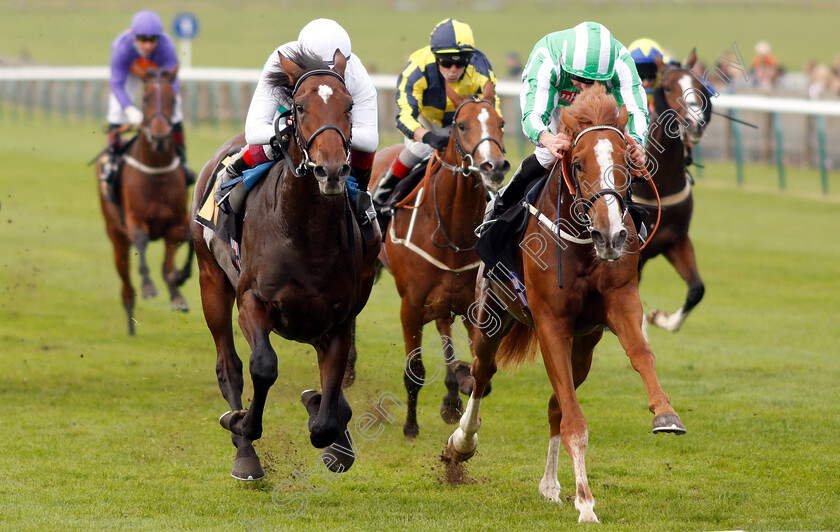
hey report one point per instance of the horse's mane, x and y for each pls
(304, 58)
(592, 107)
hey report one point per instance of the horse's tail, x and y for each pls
(519, 345)
(185, 272)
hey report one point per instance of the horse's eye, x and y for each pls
(576, 167)
(503, 125)
(462, 126)
(298, 108)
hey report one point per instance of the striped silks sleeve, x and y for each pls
(538, 97)
(627, 90)
(411, 84)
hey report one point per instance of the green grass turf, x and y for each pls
(241, 34)
(103, 431)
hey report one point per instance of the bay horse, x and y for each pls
(682, 108)
(306, 270)
(581, 215)
(432, 260)
(152, 198)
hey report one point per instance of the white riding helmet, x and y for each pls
(323, 36)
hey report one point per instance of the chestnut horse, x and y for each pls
(582, 215)
(682, 108)
(429, 249)
(152, 199)
(306, 271)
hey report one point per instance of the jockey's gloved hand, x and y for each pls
(134, 115)
(438, 142)
(282, 132)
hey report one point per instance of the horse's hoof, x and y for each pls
(149, 291)
(228, 419)
(669, 423)
(451, 409)
(180, 306)
(411, 431)
(455, 454)
(247, 468)
(339, 460)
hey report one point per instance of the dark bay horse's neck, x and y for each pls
(304, 214)
(669, 152)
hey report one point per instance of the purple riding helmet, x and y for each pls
(147, 23)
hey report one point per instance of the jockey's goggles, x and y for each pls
(579, 79)
(147, 38)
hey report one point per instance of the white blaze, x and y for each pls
(324, 92)
(603, 154)
(484, 148)
(689, 96)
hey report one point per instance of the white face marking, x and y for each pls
(603, 154)
(689, 96)
(484, 147)
(324, 92)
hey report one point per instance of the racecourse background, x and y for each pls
(106, 432)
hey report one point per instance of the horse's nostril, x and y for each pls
(597, 238)
(320, 172)
(345, 171)
(486, 166)
(505, 167)
(620, 238)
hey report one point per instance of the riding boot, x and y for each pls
(384, 190)
(362, 204)
(529, 171)
(181, 151)
(232, 171)
(110, 168)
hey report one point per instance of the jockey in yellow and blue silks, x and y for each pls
(561, 65)
(425, 113)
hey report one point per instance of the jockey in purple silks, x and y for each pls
(134, 51)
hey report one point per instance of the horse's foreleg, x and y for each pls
(624, 315)
(254, 320)
(140, 239)
(415, 374)
(121, 249)
(558, 356)
(681, 256)
(330, 412)
(350, 372)
(174, 237)
(582, 348)
(451, 407)
(217, 303)
(490, 324)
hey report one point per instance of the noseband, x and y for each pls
(158, 113)
(467, 166)
(304, 144)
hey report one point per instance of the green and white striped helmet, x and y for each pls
(588, 52)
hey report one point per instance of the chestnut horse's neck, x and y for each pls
(455, 204)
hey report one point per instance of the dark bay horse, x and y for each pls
(597, 270)
(429, 248)
(152, 199)
(306, 271)
(682, 108)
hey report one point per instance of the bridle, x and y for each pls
(144, 128)
(569, 176)
(467, 166)
(573, 185)
(304, 144)
(661, 104)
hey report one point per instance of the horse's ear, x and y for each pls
(660, 65)
(692, 58)
(623, 117)
(490, 93)
(291, 68)
(339, 62)
(453, 96)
